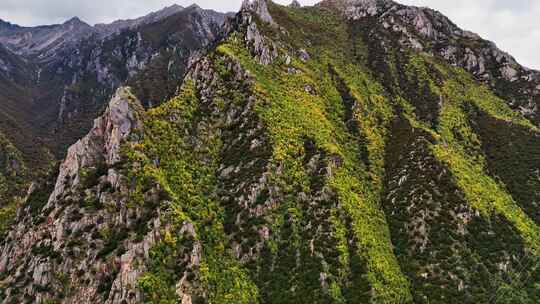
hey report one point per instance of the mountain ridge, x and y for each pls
(483, 59)
(309, 156)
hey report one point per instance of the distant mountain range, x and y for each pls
(57, 78)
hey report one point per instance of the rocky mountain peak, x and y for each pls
(76, 28)
(76, 21)
(120, 25)
(120, 121)
(295, 4)
(44, 42)
(355, 9)
(260, 8)
(163, 13)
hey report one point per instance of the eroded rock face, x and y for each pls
(263, 48)
(259, 7)
(101, 146)
(80, 241)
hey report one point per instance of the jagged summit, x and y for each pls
(295, 4)
(120, 25)
(121, 119)
(76, 24)
(75, 20)
(259, 7)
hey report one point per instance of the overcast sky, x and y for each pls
(513, 24)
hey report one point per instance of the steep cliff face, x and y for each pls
(313, 155)
(60, 247)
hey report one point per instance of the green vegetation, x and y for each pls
(292, 114)
(347, 170)
(12, 170)
(335, 107)
(7, 215)
(186, 175)
(12, 182)
(511, 154)
(461, 150)
(457, 145)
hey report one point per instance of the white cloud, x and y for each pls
(513, 25)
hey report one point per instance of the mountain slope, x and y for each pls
(13, 172)
(43, 42)
(67, 72)
(426, 30)
(54, 80)
(152, 57)
(309, 157)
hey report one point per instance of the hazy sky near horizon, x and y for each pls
(513, 25)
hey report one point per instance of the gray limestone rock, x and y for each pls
(259, 7)
(120, 121)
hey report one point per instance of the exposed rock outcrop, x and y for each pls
(427, 30)
(87, 217)
(101, 147)
(261, 46)
(260, 8)
(295, 4)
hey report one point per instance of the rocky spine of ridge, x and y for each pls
(425, 29)
(101, 147)
(60, 242)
